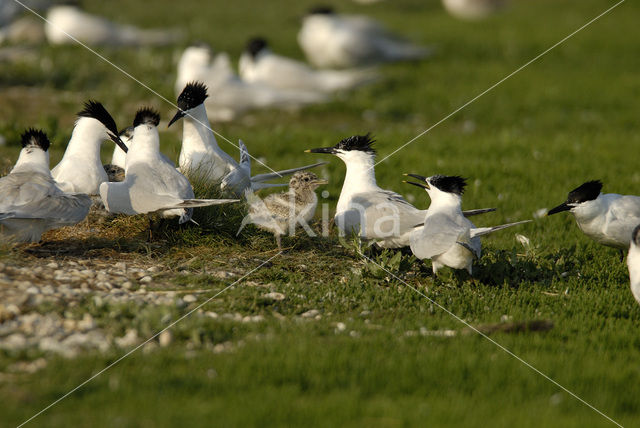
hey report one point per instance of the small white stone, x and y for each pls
(189, 298)
(165, 338)
(146, 279)
(310, 313)
(274, 295)
(341, 326)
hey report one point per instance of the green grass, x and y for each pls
(567, 118)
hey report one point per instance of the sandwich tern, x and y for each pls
(447, 237)
(364, 208)
(68, 20)
(232, 96)
(31, 203)
(259, 64)
(607, 218)
(633, 262)
(330, 40)
(151, 184)
(280, 213)
(81, 170)
(200, 154)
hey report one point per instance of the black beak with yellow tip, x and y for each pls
(326, 150)
(424, 185)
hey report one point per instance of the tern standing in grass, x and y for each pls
(447, 237)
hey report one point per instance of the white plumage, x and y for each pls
(330, 40)
(80, 170)
(31, 203)
(65, 20)
(230, 95)
(151, 183)
(200, 155)
(259, 64)
(364, 208)
(608, 218)
(447, 237)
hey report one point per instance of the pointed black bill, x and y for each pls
(562, 207)
(116, 139)
(417, 177)
(179, 115)
(327, 150)
(420, 185)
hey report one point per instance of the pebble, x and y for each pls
(146, 279)
(274, 295)
(165, 338)
(310, 313)
(190, 298)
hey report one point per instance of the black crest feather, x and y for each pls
(321, 10)
(255, 45)
(97, 111)
(35, 137)
(146, 115)
(585, 192)
(449, 183)
(193, 94)
(363, 143)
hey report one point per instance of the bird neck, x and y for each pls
(32, 159)
(593, 210)
(197, 135)
(145, 145)
(360, 177)
(86, 139)
(360, 171)
(445, 202)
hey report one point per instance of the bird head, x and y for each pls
(193, 95)
(356, 147)
(95, 110)
(255, 46)
(586, 192)
(438, 185)
(304, 180)
(35, 138)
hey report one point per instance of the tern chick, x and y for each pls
(280, 213)
(447, 237)
(607, 218)
(31, 202)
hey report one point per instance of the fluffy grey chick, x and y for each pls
(280, 213)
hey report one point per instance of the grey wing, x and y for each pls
(386, 214)
(438, 235)
(21, 188)
(63, 208)
(623, 217)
